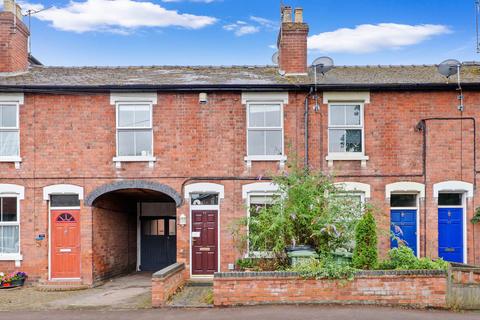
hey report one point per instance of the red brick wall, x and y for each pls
(411, 290)
(114, 237)
(13, 44)
(164, 287)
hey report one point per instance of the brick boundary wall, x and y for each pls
(417, 288)
(166, 282)
(464, 287)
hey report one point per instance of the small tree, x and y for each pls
(365, 254)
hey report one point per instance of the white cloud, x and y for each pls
(367, 38)
(267, 23)
(118, 16)
(241, 28)
(202, 1)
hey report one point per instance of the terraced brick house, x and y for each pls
(108, 170)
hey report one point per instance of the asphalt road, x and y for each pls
(250, 313)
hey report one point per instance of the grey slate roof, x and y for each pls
(229, 76)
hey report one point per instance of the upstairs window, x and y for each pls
(345, 128)
(9, 130)
(265, 129)
(134, 130)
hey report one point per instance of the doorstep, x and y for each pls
(61, 285)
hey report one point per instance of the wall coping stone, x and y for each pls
(167, 271)
(365, 273)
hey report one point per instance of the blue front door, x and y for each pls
(403, 225)
(450, 234)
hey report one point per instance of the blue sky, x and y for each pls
(238, 32)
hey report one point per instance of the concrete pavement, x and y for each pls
(250, 313)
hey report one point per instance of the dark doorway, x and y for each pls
(158, 242)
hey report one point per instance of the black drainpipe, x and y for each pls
(305, 162)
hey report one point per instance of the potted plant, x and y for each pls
(12, 280)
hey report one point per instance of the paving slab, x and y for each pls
(132, 291)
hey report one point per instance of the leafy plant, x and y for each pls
(403, 258)
(326, 267)
(365, 254)
(245, 263)
(308, 210)
(476, 217)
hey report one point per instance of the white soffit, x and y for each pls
(205, 187)
(116, 97)
(346, 96)
(265, 96)
(405, 186)
(6, 188)
(16, 97)
(453, 186)
(355, 187)
(258, 187)
(62, 189)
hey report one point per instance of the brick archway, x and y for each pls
(133, 184)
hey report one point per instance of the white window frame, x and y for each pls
(256, 254)
(281, 158)
(15, 100)
(118, 159)
(18, 192)
(333, 156)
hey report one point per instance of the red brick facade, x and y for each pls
(194, 140)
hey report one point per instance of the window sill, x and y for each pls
(11, 257)
(347, 157)
(281, 158)
(17, 160)
(118, 160)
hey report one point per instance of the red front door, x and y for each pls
(65, 244)
(204, 242)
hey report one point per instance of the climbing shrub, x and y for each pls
(365, 254)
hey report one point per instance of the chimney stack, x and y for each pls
(292, 43)
(13, 38)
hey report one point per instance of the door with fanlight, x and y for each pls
(65, 244)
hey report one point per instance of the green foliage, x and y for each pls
(403, 258)
(476, 217)
(365, 254)
(245, 263)
(308, 210)
(326, 267)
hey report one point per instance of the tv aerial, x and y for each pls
(449, 68)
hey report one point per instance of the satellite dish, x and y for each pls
(449, 67)
(275, 58)
(323, 64)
